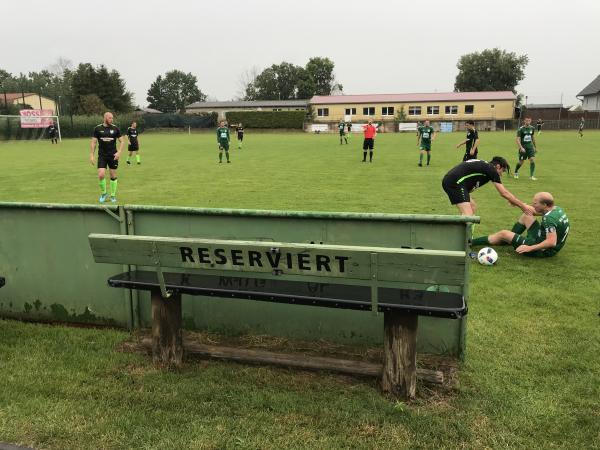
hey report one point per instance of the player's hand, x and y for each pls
(117, 156)
(457, 145)
(522, 150)
(472, 153)
(523, 249)
(529, 210)
(92, 162)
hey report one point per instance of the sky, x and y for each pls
(388, 46)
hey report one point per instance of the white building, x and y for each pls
(590, 96)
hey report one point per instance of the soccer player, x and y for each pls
(52, 133)
(223, 141)
(467, 176)
(105, 136)
(349, 127)
(581, 125)
(370, 131)
(539, 123)
(526, 142)
(425, 136)
(472, 142)
(341, 128)
(134, 145)
(543, 239)
(240, 134)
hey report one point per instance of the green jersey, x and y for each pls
(555, 221)
(525, 135)
(426, 133)
(222, 134)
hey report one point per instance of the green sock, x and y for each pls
(483, 240)
(103, 186)
(421, 158)
(428, 159)
(113, 187)
(518, 228)
(227, 155)
(138, 159)
(531, 168)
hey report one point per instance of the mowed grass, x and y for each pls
(531, 377)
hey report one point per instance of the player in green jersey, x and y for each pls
(425, 136)
(527, 147)
(581, 125)
(223, 141)
(342, 130)
(543, 239)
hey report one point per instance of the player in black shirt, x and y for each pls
(240, 134)
(539, 123)
(52, 133)
(105, 136)
(472, 142)
(463, 179)
(134, 144)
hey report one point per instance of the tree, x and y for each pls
(173, 92)
(321, 71)
(401, 115)
(91, 105)
(490, 70)
(107, 85)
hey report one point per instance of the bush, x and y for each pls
(268, 119)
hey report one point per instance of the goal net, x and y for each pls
(29, 126)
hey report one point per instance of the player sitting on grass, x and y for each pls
(543, 239)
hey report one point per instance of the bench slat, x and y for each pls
(420, 302)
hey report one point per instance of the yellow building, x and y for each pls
(487, 107)
(35, 101)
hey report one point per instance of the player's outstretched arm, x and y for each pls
(460, 144)
(527, 209)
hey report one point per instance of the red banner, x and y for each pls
(32, 118)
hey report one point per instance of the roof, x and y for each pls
(592, 88)
(417, 97)
(544, 106)
(12, 96)
(149, 111)
(251, 104)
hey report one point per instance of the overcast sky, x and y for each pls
(385, 46)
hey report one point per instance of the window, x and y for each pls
(469, 109)
(277, 109)
(322, 112)
(451, 109)
(492, 106)
(433, 110)
(369, 111)
(350, 111)
(387, 111)
(414, 110)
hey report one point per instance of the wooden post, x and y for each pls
(167, 342)
(400, 354)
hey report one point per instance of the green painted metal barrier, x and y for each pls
(46, 259)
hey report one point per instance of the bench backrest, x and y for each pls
(394, 267)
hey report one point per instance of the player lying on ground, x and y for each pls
(543, 239)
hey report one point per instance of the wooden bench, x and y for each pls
(333, 276)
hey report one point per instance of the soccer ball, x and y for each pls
(487, 256)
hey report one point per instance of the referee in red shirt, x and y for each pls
(370, 131)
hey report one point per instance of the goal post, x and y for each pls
(19, 127)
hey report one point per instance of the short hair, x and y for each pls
(501, 162)
(470, 122)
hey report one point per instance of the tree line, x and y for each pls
(90, 90)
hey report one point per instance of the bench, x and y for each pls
(333, 276)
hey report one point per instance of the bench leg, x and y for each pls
(400, 353)
(167, 342)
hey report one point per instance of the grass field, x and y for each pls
(531, 378)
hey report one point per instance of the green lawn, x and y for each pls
(531, 378)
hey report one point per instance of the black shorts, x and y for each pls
(134, 147)
(107, 160)
(456, 193)
(468, 156)
(240, 136)
(369, 143)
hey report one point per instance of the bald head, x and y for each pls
(543, 202)
(108, 118)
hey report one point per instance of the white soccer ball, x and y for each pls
(487, 256)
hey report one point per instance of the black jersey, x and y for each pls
(472, 136)
(107, 138)
(52, 131)
(132, 134)
(240, 130)
(472, 174)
